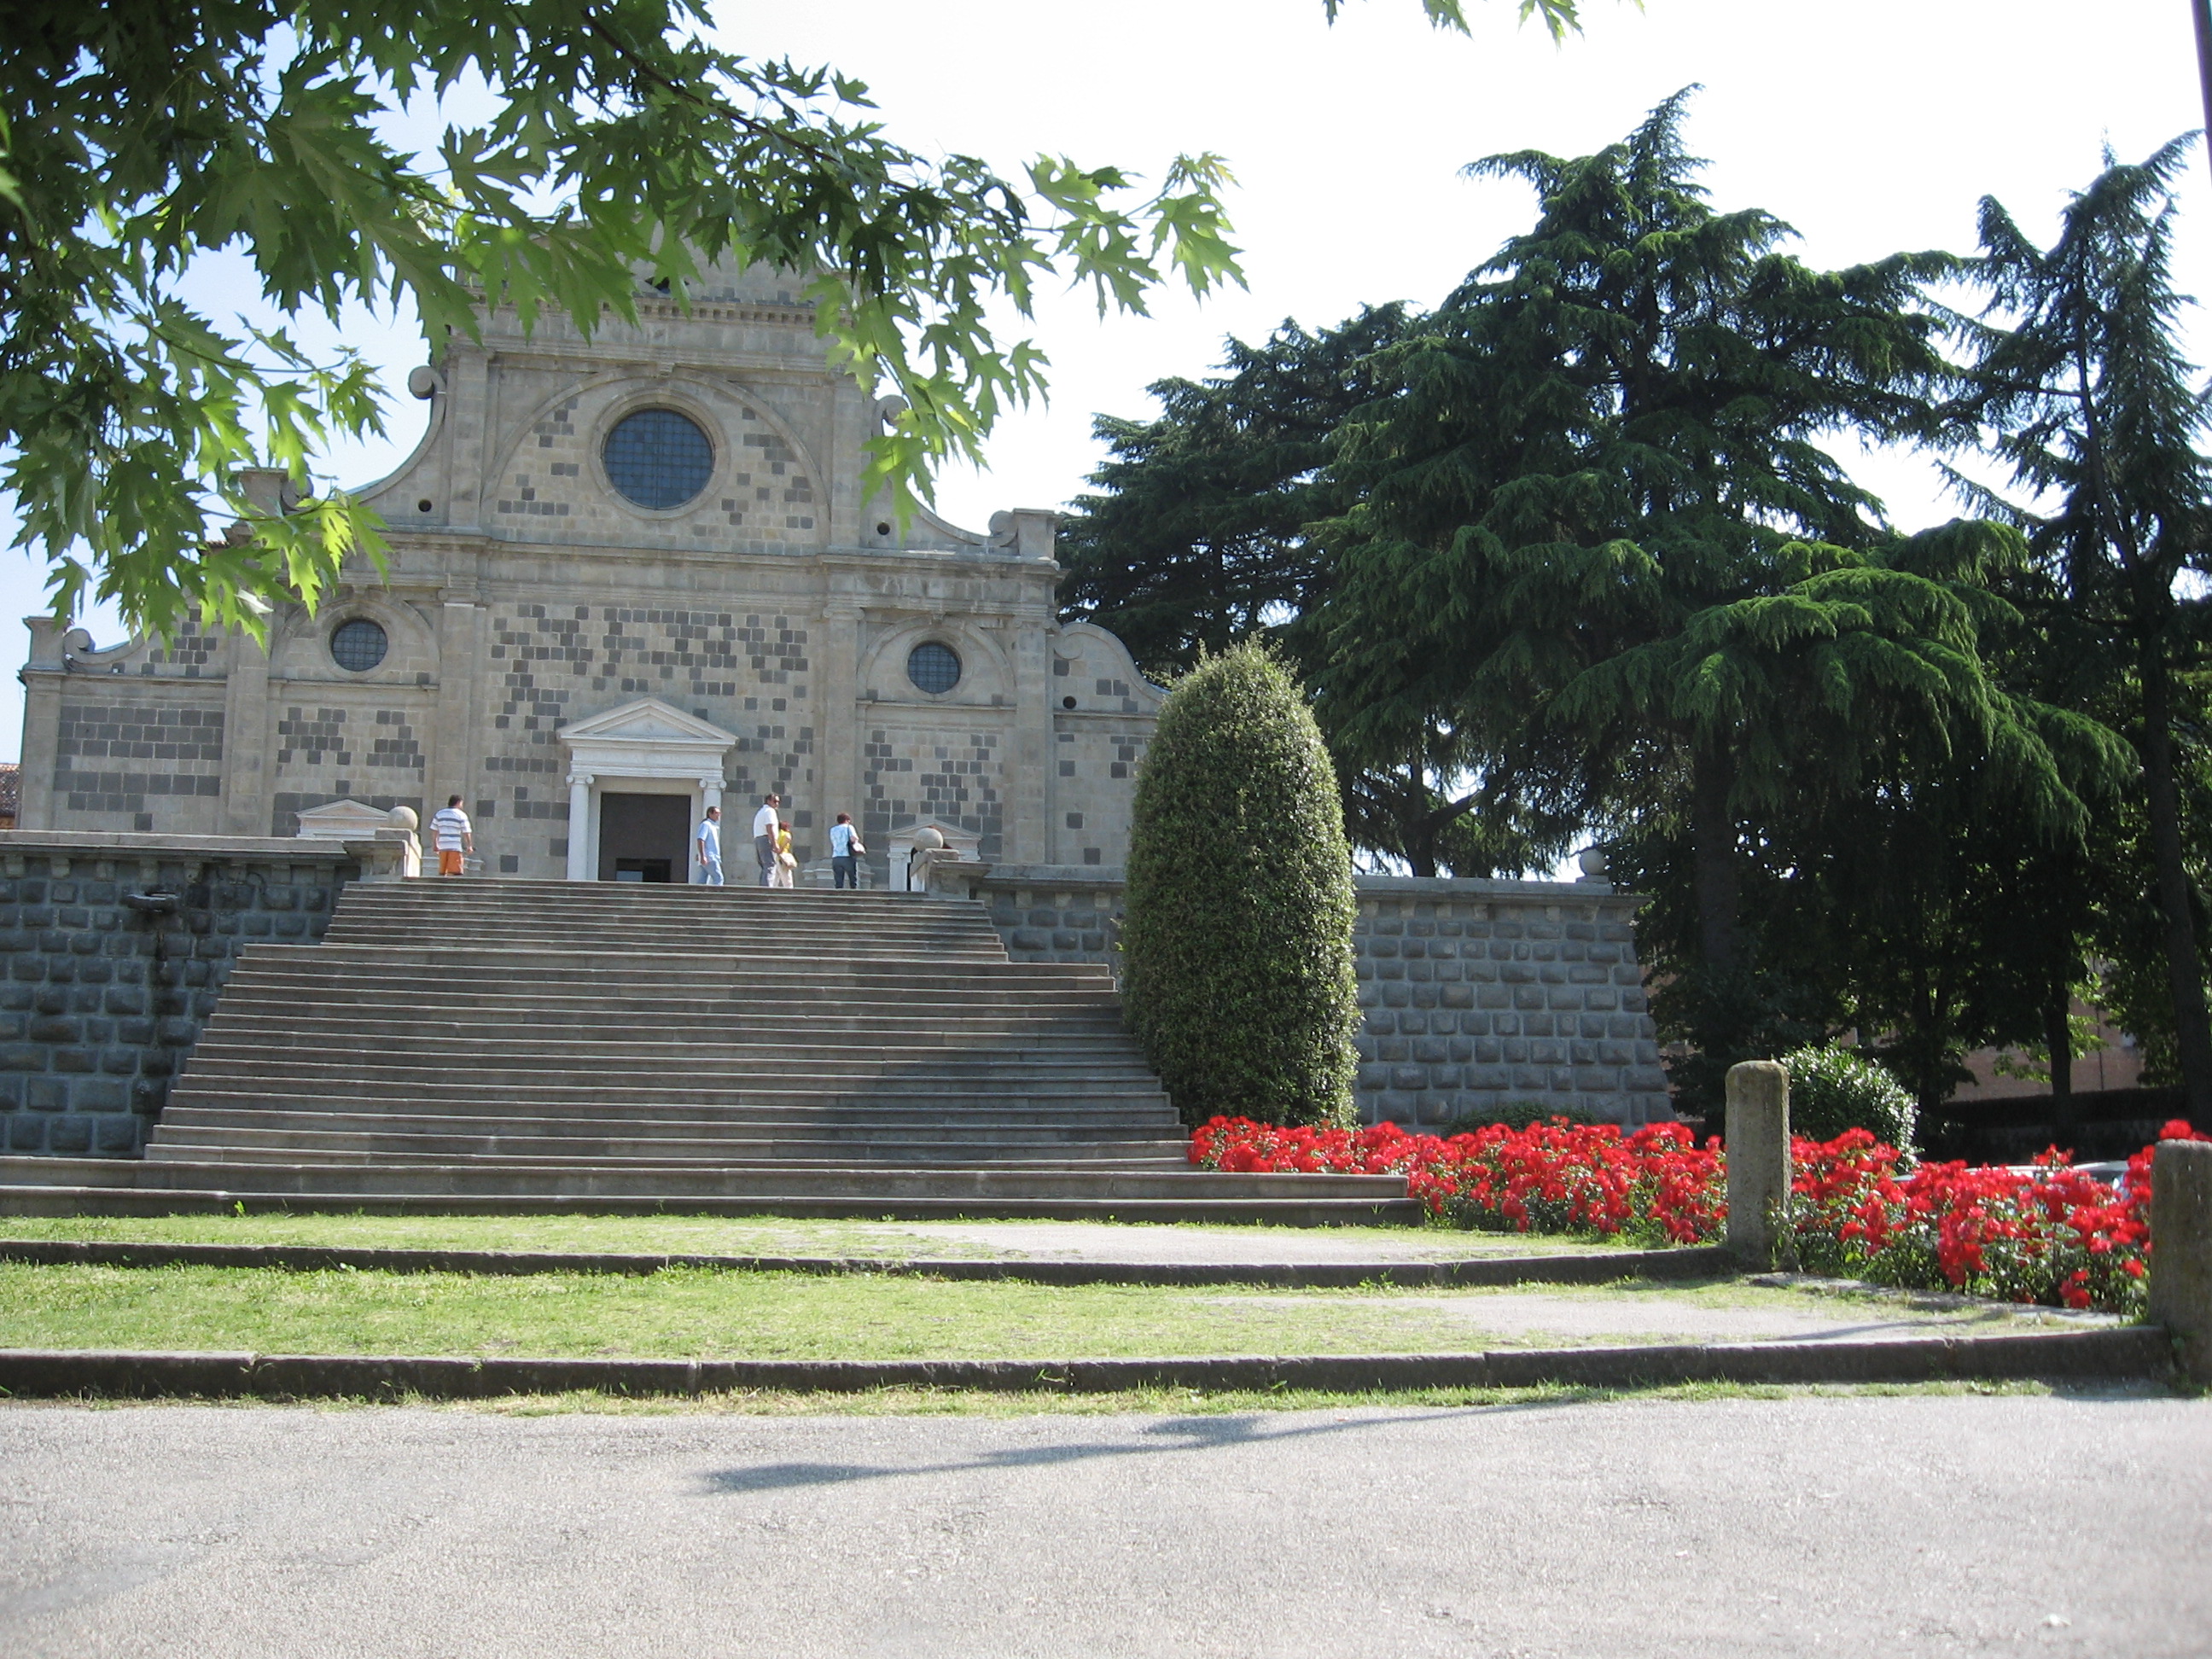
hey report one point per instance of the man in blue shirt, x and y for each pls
(709, 840)
(844, 849)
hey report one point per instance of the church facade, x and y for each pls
(629, 577)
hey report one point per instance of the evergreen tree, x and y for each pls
(1196, 540)
(2088, 402)
(1237, 942)
(1596, 522)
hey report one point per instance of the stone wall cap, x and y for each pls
(1049, 875)
(291, 849)
(1489, 886)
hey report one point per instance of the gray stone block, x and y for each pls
(1455, 996)
(100, 1094)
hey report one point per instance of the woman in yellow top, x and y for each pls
(787, 862)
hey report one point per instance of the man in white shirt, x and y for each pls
(450, 835)
(709, 840)
(764, 838)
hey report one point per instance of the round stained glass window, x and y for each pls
(934, 667)
(359, 645)
(658, 459)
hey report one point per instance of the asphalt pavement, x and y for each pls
(1845, 1525)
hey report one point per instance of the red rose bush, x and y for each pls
(2049, 1234)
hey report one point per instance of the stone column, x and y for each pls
(580, 827)
(2181, 1251)
(1758, 1162)
(710, 795)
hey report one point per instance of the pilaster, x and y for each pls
(452, 768)
(245, 775)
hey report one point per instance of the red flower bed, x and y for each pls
(2052, 1235)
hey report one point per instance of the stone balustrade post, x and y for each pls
(2181, 1251)
(1758, 1162)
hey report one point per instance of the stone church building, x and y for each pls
(629, 578)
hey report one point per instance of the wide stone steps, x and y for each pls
(488, 1063)
(434, 1039)
(282, 1094)
(983, 1127)
(486, 1045)
(593, 1151)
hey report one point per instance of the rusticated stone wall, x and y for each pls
(1475, 994)
(101, 997)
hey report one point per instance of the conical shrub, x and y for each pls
(1237, 940)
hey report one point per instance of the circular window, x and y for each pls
(658, 459)
(358, 645)
(934, 667)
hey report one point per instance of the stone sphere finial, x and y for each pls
(1592, 861)
(402, 818)
(931, 840)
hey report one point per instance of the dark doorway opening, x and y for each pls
(642, 837)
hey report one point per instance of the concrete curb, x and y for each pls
(1596, 1267)
(2130, 1352)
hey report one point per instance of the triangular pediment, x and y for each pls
(648, 720)
(342, 819)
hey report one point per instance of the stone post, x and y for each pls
(580, 827)
(2181, 1251)
(1758, 1161)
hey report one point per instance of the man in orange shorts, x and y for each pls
(450, 835)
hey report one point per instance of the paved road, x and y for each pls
(1880, 1526)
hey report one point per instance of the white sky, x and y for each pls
(1871, 126)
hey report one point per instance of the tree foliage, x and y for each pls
(1197, 539)
(1597, 521)
(2079, 387)
(623, 144)
(1236, 944)
(1592, 563)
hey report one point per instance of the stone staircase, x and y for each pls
(514, 1045)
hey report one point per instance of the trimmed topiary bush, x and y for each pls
(1832, 1090)
(1236, 936)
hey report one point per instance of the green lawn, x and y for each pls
(696, 1313)
(721, 1235)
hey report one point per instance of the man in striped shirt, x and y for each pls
(450, 835)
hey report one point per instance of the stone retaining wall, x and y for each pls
(100, 1000)
(1476, 994)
